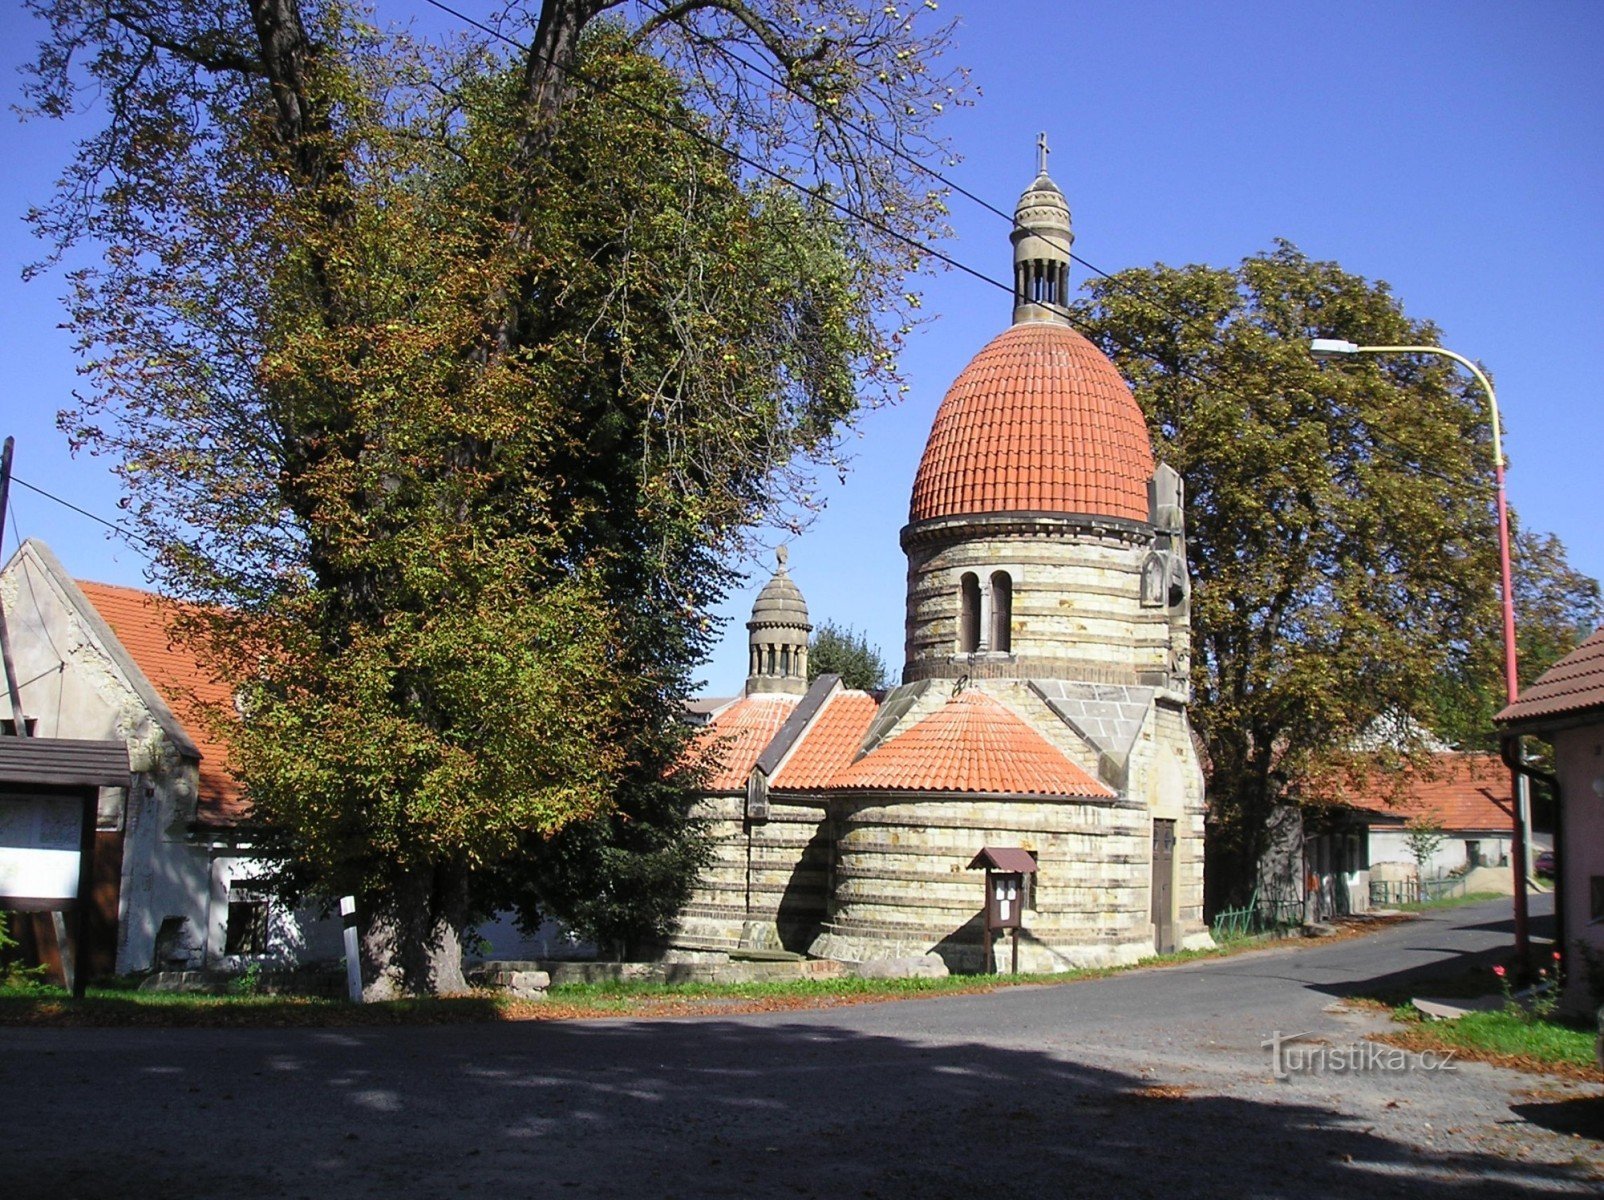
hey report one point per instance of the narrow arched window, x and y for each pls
(968, 614)
(785, 661)
(1002, 612)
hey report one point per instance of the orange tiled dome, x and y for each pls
(1039, 421)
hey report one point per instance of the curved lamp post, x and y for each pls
(1335, 348)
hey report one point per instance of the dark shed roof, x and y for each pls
(1574, 684)
(62, 762)
(1005, 858)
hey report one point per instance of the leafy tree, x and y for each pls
(447, 379)
(1339, 518)
(1556, 606)
(844, 651)
(1424, 836)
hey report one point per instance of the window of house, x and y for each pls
(968, 614)
(247, 926)
(1002, 612)
(8, 726)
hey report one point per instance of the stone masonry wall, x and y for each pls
(902, 887)
(1076, 610)
(767, 886)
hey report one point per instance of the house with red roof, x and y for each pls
(1043, 703)
(173, 861)
(1565, 706)
(1465, 795)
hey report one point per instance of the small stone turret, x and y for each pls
(1042, 239)
(777, 636)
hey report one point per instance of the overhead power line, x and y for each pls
(841, 207)
(129, 534)
(917, 163)
(1211, 334)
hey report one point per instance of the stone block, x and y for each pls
(526, 982)
(921, 966)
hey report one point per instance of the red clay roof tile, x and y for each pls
(1573, 683)
(1466, 791)
(971, 744)
(829, 744)
(1040, 421)
(140, 623)
(738, 734)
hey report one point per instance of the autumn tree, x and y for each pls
(1424, 836)
(1556, 606)
(446, 379)
(844, 651)
(1339, 518)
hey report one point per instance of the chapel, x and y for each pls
(1043, 701)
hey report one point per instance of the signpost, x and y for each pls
(1006, 868)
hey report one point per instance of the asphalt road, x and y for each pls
(1153, 1083)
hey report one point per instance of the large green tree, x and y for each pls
(447, 378)
(844, 651)
(1556, 606)
(1339, 518)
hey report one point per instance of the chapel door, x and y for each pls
(1163, 886)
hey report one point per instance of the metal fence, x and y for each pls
(1385, 892)
(1257, 916)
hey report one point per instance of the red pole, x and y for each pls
(1333, 347)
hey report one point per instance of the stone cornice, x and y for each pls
(971, 526)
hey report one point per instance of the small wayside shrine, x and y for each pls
(1043, 698)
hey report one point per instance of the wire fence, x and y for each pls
(1387, 892)
(1259, 915)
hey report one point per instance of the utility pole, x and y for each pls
(18, 719)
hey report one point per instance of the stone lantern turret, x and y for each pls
(777, 636)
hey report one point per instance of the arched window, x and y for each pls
(785, 660)
(1002, 612)
(968, 614)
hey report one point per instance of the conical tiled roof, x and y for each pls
(971, 744)
(1040, 422)
(737, 735)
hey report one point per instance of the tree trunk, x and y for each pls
(412, 940)
(547, 84)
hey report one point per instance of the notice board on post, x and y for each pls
(49, 797)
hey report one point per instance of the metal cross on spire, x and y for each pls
(1041, 153)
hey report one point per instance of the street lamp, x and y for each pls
(1335, 348)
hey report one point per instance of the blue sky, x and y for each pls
(1451, 149)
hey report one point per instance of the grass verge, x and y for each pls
(1543, 1045)
(1445, 902)
(118, 1004)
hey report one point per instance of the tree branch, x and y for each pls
(218, 60)
(785, 54)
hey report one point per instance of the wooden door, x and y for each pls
(1163, 886)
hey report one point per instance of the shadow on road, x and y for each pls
(1471, 971)
(666, 1109)
(1579, 1115)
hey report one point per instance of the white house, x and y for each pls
(96, 662)
(1566, 706)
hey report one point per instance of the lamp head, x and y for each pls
(1324, 348)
